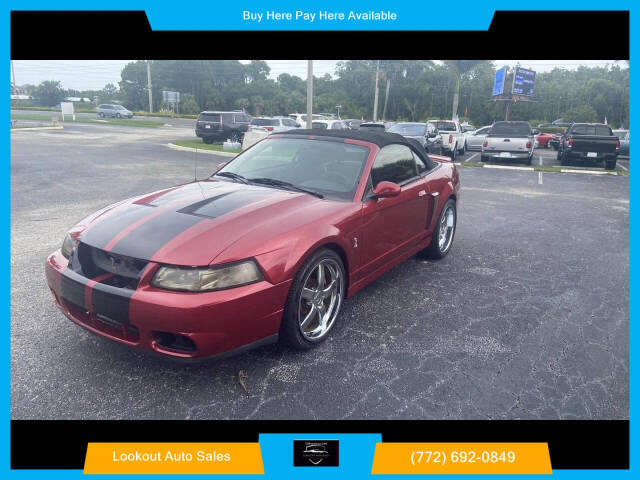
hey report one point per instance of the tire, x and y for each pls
(208, 141)
(453, 153)
(610, 164)
(298, 308)
(436, 249)
(235, 137)
(529, 160)
(484, 158)
(118, 115)
(101, 115)
(464, 148)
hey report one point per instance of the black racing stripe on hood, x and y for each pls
(143, 242)
(222, 204)
(100, 234)
(186, 191)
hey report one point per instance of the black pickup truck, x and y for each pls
(589, 142)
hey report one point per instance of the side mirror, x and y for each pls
(535, 131)
(386, 190)
(432, 135)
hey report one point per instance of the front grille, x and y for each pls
(91, 262)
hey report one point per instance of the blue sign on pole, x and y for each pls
(523, 82)
(498, 82)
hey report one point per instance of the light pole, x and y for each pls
(338, 107)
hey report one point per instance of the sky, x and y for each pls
(95, 74)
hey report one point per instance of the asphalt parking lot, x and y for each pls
(526, 318)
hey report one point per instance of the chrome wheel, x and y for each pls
(320, 299)
(447, 227)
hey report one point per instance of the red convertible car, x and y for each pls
(543, 139)
(267, 247)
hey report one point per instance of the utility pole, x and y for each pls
(149, 86)
(386, 99)
(309, 93)
(375, 98)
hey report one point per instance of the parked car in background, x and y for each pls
(372, 127)
(301, 118)
(267, 248)
(623, 135)
(560, 122)
(274, 124)
(353, 123)
(467, 128)
(589, 142)
(220, 126)
(475, 139)
(329, 125)
(508, 140)
(543, 139)
(425, 133)
(115, 111)
(555, 141)
(452, 137)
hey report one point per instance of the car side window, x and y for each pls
(421, 166)
(394, 163)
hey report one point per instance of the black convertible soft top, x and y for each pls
(382, 139)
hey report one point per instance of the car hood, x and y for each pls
(194, 223)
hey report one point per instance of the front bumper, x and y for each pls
(213, 323)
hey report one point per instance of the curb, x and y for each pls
(208, 152)
(22, 129)
(535, 169)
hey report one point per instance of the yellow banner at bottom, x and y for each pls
(461, 458)
(173, 458)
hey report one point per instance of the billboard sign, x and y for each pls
(498, 81)
(170, 97)
(523, 81)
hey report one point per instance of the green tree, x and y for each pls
(459, 68)
(49, 93)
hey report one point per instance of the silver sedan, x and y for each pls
(475, 139)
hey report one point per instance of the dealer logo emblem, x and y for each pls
(315, 453)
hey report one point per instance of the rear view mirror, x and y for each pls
(386, 190)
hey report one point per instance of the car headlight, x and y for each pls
(195, 279)
(68, 244)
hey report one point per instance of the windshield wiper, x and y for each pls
(233, 176)
(283, 184)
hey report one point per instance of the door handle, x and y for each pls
(422, 193)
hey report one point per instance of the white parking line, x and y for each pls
(590, 172)
(540, 173)
(472, 157)
(508, 167)
(622, 166)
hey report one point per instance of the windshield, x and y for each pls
(511, 128)
(595, 130)
(330, 168)
(265, 122)
(468, 128)
(120, 107)
(408, 129)
(620, 133)
(446, 126)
